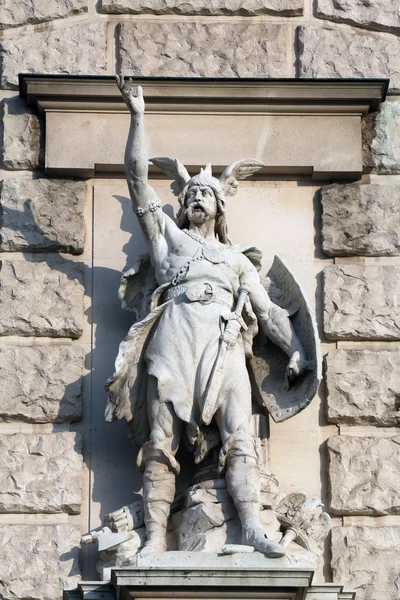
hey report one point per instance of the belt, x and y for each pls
(200, 292)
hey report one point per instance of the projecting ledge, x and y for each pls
(295, 126)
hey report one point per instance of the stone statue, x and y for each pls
(184, 368)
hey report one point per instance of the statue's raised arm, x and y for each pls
(145, 202)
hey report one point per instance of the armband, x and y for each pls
(153, 206)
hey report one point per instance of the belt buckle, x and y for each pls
(200, 292)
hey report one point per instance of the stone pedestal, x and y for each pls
(207, 575)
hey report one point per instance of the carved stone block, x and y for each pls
(204, 7)
(14, 14)
(333, 52)
(364, 475)
(202, 49)
(49, 391)
(42, 214)
(362, 302)
(38, 561)
(363, 387)
(82, 47)
(23, 136)
(382, 16)
(41, 473)
(367, 559)
(381, 139)
(361, 220)
(41, 298)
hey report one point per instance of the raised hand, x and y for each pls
(134, 103)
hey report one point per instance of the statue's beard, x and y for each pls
(197, 214)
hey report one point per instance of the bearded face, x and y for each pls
(201, 204)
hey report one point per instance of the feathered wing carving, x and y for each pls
(240, 169)
(174, 169)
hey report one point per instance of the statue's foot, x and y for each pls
(254, 536)
(153, 546)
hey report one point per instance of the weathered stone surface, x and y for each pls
(42, 214)
(367, 559)
(361, 220)
(381, 139)
(362, 302)
(331, 52)
(41, 298)
(40, 473)
(204, 7)
(13, 14)
(203, 49)
(49, 391)
(38, 561)
(23, 136)
(81, 46)
(364, 475)
(382, 15)
(363, 387)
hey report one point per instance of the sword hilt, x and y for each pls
(244, 291)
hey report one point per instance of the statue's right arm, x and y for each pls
(144, 198)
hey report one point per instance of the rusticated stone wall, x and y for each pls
(45, 280)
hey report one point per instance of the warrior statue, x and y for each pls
(184, 363)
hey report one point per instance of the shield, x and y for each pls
(268, 365)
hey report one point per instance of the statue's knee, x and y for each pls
(152, 452)
(240, 445)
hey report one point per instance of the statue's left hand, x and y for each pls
(134, 103)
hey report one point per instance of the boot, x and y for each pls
(158, 495)
(243, 485)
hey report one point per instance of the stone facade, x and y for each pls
(40, 473)
(363, 387)
(42, 215)
(364, 475)
(49, 391)
(38, 561)
(42, 295)
(362, 302)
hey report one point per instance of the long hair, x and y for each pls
(221, 228)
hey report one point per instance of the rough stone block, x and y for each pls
(42, 215)
(361, 220)
(81, 46)
(367, 559)
(364, 475)
(203, 49)
(363, 387)
(204, 7)
(41, 473)
(381, 139)
(38, 561)
(362, 302)
(41, 298)
(331, 52)
(14, 14)
(23, 136)
(49, 391)
(383, 15)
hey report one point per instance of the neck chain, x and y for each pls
(211, 253)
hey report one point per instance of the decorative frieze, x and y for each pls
(367, 559)
(363, 387)
(42, 215)
(284, 8)
(362, 302)
(49, 391)
(335, 52)
(41, 473)
(82, 47)
(38, 561)
(23, 136)
(184, 49)
(364, 475)
(381, 139)
(24, 12)
(381, 16)
(41, 298)
(361, 220)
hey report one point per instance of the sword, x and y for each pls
(233, 327)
